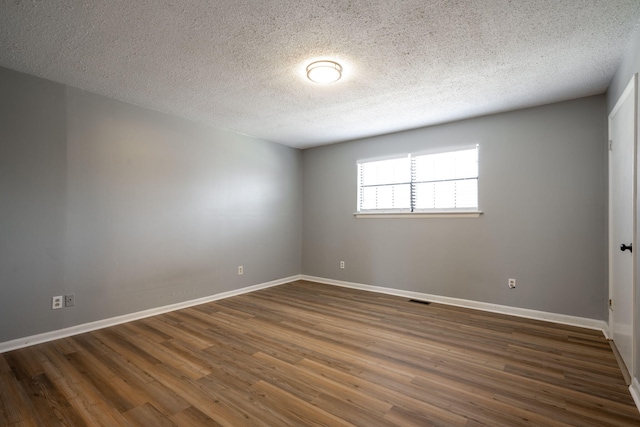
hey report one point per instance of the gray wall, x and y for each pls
(542, 188)
(131, 209)
(629, 65)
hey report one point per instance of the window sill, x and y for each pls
(439, 214)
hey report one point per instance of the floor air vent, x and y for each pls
(420, 302)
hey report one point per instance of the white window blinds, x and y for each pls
(385, 184)
(414, 183)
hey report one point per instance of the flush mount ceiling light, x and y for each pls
(324, 72)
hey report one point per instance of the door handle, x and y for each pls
(624, 247)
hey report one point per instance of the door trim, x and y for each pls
(631, 89)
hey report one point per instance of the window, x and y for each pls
(420, 183)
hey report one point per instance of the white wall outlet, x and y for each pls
(240, 270)
(342, 265)
(56, 302)
(512, 283)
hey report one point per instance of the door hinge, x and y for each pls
(610, 145)
(610, 302)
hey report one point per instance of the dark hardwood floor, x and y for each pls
(305, 354)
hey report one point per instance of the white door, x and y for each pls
(622, 131)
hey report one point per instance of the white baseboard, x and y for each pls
(634, 388)
(99, 324)
(564, 319)
(606, 331)
(495, 308)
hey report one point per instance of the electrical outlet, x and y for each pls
(240, 270)
(512, 283)
(56, 302)
(342, 265)
(70, 300)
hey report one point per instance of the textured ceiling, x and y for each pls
(239, 64)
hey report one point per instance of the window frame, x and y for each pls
(412, 212)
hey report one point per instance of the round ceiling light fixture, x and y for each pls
(324, 72)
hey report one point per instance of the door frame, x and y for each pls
(631, 89)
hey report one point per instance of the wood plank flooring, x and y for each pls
(306, 354)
